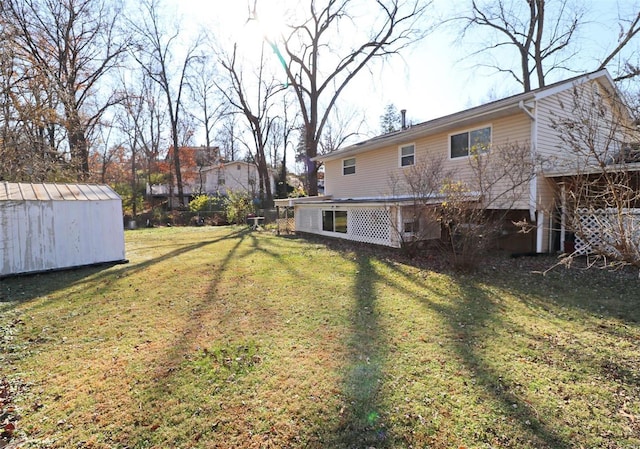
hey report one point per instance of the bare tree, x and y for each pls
(546, 36)
(479, 211)
(207, 97)
(321, 65)
(74, 45)
(601, 194)
(255, 107)
(473, 211)
(542, 38)
(282, 128)
(421, 184)
(629, 27)
(156, 53)
(227, 136)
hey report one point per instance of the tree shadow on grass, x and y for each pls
(158, 386)
(476, 303)
(362, 417)
(472, 315)
(24, 288)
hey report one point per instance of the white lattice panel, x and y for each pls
(369, 225)
(596, 229)
(286, 224)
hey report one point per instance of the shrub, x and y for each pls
(203, 203)
(237, 206)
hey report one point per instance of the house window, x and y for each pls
(407, 155)
(411, 226)
(349, 166)
(334, 221)
(470, 142)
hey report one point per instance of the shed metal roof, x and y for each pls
(19, 191)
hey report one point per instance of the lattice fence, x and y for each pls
(369, 225)
(286, 225)
(598, 230)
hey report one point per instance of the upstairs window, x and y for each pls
(349, 166)
(471, 142)
(407, 155)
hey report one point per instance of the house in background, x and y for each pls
(203, 172)
(362, 204)
(235, 176)
(193, 162)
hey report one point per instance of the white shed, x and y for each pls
(55, 226)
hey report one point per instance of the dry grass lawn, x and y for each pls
(223, 338)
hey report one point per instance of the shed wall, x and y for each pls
(50, 235)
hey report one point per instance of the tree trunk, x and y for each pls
(78, 147)
(311, 167)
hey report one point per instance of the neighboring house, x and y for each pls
(362, 203)
(234, 176)
(204, 173)
(193, 163)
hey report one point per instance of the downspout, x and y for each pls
(533, 184)
(399, 225)
(563, 217)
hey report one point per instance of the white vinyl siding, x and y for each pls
(376, 168)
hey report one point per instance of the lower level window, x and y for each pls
(334, 221)
(411, 227)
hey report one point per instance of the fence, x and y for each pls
(602, 230)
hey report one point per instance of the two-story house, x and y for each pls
(203, 172)
(234, 176)
(364, 201)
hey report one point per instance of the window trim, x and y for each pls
(468, 132)
(401, 156)
(414, 225)
(344, 166)
(333, 220)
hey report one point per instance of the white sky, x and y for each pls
(430, 80)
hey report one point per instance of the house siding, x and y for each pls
(237, 176)
(376, 169)
(605, 137)
(365, 223)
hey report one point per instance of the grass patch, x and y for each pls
(222, 338)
